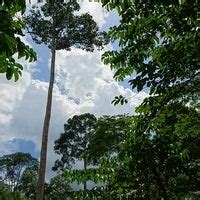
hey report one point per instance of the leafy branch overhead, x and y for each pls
(158, 44)
(11, 26)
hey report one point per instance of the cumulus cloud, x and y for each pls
(7, 147)
(95, 9)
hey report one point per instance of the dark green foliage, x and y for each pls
(163, 162)
(160, 160)
(7, 195)
(58, 188)
(28, 183)
(109, 132)
(10, 43)
(74, 141)
(13, 165)
(159, 44)
(158, 40)
(69, 29)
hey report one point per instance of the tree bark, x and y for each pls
(43, 153)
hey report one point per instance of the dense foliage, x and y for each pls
(158, 43)
(13, 165)
(105, 140)
(11, 26)
(58, 188)
(28, 183)
(164, 162)
(7, 195)
(159, 157)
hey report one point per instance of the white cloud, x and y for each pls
(11, 94)
(95, 9)
(7, 146)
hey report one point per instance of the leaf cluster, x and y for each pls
(11, 26)
(158, 43)
(5, 195)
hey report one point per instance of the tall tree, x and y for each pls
(74, 142)
(11, 26)
(56, 25)
(13, 165)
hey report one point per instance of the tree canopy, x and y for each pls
(105, 141)
(158, 42)
(58, 20)
(75, 140)
(13, 165)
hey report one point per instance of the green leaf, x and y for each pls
(9, 73)
(16, 75)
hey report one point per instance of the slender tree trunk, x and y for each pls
(85, 167)
(43, 153)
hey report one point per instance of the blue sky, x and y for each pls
(83, 84)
